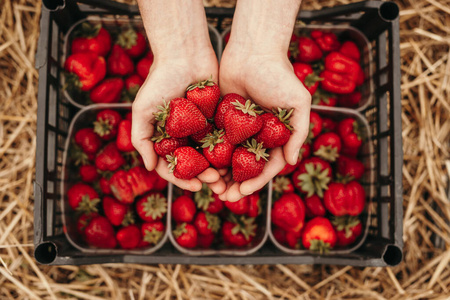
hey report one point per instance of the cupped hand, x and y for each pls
(267, 79)
(168, 79)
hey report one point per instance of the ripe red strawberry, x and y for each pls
(279, 234)
(293, 239)
(319, 235)
(86, 68)
(181, 118)
(314, 207)
(151, 206)
(350, 100)
(315, 127)
(305, 152)
(248, 161)
(324, 98)
(133, 42)
(106, 124)
(282, 185)
(123, 140)
(205, 94)
(160, 183)
(186, 163)
(119, 63)
(351, 50)
(305, 50)
(345, 199)
(288, 169)
(183, 209)
(350, 168)
(129, 237)
(217, 149)
(83, 221)
(312, 176)
(327, 41)
(109, 158)
(100, 233)
(238, 231)
(288, 212)
(327, 146)
(92, 38)
(116, 212)
(83, 198)
(120, 187)
(206, 223)
(104, 186)
(348, 229)
(199, 136)
(206, 200)
(165, 145)
(152, 232)
(225, 105)
(88, 140)
(205, 241)
(350, 133)
(329, 125)
(239, 207)
(88, 173)
(132, 85)
(276, 130)
(186, 235)
(143, 66)
(107, 91)
(242, 121)
(361, 77)
(254, 205)
(307, 76)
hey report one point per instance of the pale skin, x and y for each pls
(178, 34)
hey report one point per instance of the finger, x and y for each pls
(192, 185)
(141, 132)
(218, 187)
(223, 196)
(234, 193)
(228, 177)
(275, 164)
(210, 175)
(222, 172)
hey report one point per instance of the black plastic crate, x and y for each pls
(377, 20)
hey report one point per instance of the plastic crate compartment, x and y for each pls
(376, 20)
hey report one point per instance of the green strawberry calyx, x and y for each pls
(246, 226)
(78, 155)
(257, 149)
(283, 115)
(328, 152)
(201, 84)
(88, 30)
(311, 79)
(172, 160)
(344, 178)
(88, 205)
(321, 95)
(128, 219)
(155, 206)
(160, 135)
(213, 222)
(162, 113)
(315, 180)
(179, 230)
(280, 184)
(345, 223)
(127, 38)
(319, 246)
(357, 130)
(204, 197)
(102, 127)
(212, 139)
(249, 108)
(152, 236)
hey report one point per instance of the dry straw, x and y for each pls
(425, 273)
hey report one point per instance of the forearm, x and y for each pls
(264, 27)
(175, 28)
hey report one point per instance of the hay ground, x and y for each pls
(424, 274)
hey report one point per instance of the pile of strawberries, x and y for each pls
(318, 201)
(203, 221)
(106, 67)
(198, 131)
(116, 201)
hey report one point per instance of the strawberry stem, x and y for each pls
(201, 84)
(249, 108)
(257, 149)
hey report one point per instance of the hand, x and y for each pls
(267, 79)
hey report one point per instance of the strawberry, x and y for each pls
(217, 149)
(183, 209)
(92, 38)
(314, 207)
(327, 146)
(206, 200)
(305, 50)
(107, 91)
(133, 42)
(279, 234)
(327, 41)
(205, 94)
(205, 241)
(360, 78)
(123, 140)
(88, 173)
(238, 231)
(129, 116)
(254, 205)
(319, 235)
(350, 133)
(120, 187)
(324, 98)
(293, 239)
(116, 212)
(242, 121)
(329, 125)
(305, 152)
(345, 199)
(225, 105)
(86, 70)
(109, 158)
(312, 176)
(129, 237)
(206, 223)
(132, 85)
(100, 233)
(351, 50)
(181, 118)
(160, 183)
(119, 63)
(143, 66)
(239, 207)
(199, 136)
(282, 185)
(152, 232)
(288, 169)
(276, 130)
(315, 126)
(288, 212)
(186, 163)
(307, 76)
(104, 186)
(151, 207)
(348, 229)
(350, 168)
(227, 37)
(350, 100)
(186, 235)
(165, 145)
(248, 161)
(83, 221)
(88, 140)
(83, 198)
(106, 124)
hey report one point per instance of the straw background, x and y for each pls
(424, 274)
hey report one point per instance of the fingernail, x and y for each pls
(145, 162)
(296, 154)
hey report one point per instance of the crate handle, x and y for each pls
(389, 11)
(56, 5)
(392, 255)
(45, 253)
